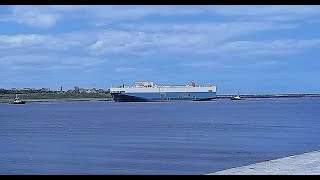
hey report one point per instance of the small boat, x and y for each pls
(237, 97)
(18, 101)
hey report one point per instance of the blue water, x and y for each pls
(153, 138)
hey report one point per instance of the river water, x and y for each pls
(154, 138)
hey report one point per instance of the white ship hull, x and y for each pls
(163, 93)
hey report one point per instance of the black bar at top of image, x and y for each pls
(160, 2)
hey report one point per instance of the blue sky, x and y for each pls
(251, 49)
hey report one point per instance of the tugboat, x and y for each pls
(237, 97)
(18, 101)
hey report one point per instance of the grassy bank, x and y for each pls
(45, 97)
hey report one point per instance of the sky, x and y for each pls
(250, 49)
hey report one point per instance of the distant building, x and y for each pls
(76, 88)
(82, 90)
(70, 91)
(100, 91)
(45, 89)
(93, 90)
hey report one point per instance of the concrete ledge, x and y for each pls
(303, 164)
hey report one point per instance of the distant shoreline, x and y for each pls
(7, 100)
(55, 97)
(58, 100)
(270, 96)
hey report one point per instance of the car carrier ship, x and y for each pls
(144, 91)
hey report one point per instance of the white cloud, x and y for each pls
(227, 54)
(237, 27)
(275, 13)
(175, 38)
(125, 69)
(202, 64)
(97, 45)
(48, 62)
(36, 16)
(214, 39)
(48, 16)
(274, 47)
(204, 38)
(22, 40)
(29, 42)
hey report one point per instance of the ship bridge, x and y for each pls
(144, 84)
